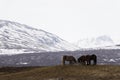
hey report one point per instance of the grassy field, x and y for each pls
(67, 72)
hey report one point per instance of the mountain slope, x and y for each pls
(22, 38)
(100, 41)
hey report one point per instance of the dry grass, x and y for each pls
(68, 72)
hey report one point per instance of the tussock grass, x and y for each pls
(67, 72)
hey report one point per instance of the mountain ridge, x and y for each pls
(100, 41)
(14, 35)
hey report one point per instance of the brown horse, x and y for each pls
(86, 59)
(71, 59)
(82, 59)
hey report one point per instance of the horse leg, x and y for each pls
(81, 61)
(84, 62)
(70, 62)
(90, 62)
(75, 61)
(95, 62)
(63, 62)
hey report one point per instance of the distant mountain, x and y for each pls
(100, 41)
(20, 38)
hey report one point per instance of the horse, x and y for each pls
(71, 59)
(82, 59)
(86, 59)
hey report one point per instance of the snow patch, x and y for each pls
(16, 38)
(24, 63)
(100, 41)
(112, 60)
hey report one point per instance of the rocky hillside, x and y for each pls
(20, 38)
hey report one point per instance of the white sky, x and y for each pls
(69, 19)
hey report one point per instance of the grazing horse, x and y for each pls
(86, 59)
(82, 59)
(71, 59)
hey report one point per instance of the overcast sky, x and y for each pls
(69, 19)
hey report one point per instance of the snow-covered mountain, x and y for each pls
(20, 38)
(101, 41)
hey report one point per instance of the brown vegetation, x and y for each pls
(66, 72)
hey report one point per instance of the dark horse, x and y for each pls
(71, 59)
(86, 59)
(82, 59)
